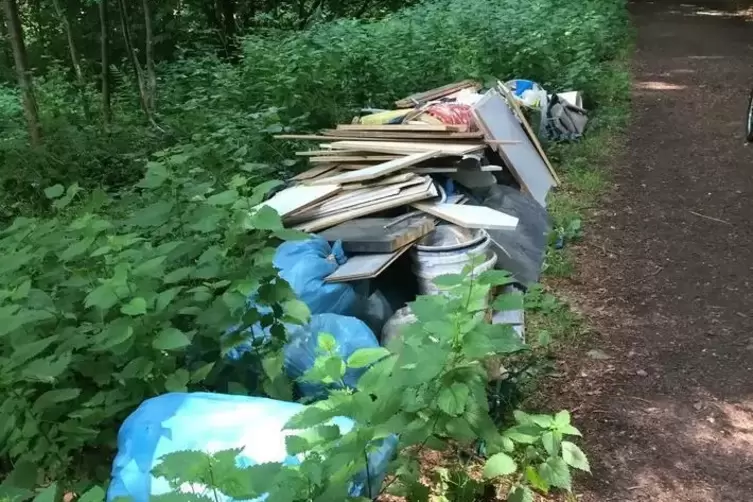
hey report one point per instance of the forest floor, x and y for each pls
(664, 274)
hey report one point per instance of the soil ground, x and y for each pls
(665, 274)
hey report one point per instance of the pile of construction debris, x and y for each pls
(423, 159)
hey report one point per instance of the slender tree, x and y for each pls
(151, 76)
(75, 59)
(16, 36)
(104, 39)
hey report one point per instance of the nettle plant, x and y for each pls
(111, 302)
(426, 390)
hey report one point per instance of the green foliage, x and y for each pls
(102, 308)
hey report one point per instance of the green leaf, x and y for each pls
(178, 275)
(524, 434)
(290, 234)
(544, 338)
(297, 310)
(115, 333)
(94, 494)
(326, 342)
(47, 369)
(452, 400)
(178, 381)
(520, 494)
(156, 174)
(295, 445)
(543, 421)
(53, 397)
(533, 477)
(136, 307)
(562, 419)
(165, 298)
(498, 465)
(266, 218)
(508, 301)
(449, 280)
(49, 494)
(171, 339)
(574, 456)
(151, 268)
(569, 430)
(102, 297)
(70, 193)
(54, 191)
(495, 277)
(200, 374)
(223, 198)
(366, 357)
(551, 441)
(556, 472)
(334, 368)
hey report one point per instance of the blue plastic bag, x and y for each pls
(305, 264)
(212, 423)
(301, 350)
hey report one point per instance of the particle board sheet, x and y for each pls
(470, 216)
(527, 127)
(498, 121)
(406, 197)
(364, 266)
(298, 197)
(408, 147)
(378, 235)
(377, 171)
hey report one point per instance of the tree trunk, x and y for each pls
(138, 70)
(104, 39)
(228, 18)
(151, 76)
(16, 35)
(75, 60)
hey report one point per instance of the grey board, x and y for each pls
(499, 123)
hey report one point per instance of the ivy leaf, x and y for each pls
(54, 191)
(556, 472)
(94, 494)
(171, 339)
(53, 397)
(574, 456)
(498, 465)
(136, 307)
(520, 494)
(366, 357)
(452, 400)
(551, 441)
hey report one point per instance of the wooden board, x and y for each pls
(407, 196)
(397, 135)
(390, 180)
(437, 93)
(403, 127)
(378, 235)
(313, 172)
(364, 266)
(531, 135)
(470, 216)
(498, 121)
(377, 171)
(298, 197)
(353, 158)
(398, 147)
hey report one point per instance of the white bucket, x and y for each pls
(428, 268)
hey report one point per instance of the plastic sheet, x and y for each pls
(305, 264)
(212, 423)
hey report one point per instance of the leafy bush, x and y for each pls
(102, 307)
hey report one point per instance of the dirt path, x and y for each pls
(669, 417)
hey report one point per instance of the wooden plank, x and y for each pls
(407, 196)
(298, 197)
(354, 158)
(397, 147)
(403, 127)
(497, 120)
(390, 180)
(313, 172)
(470, 216)
(436, 93)
(395, 135)
(378, 235)
(365, 266)
(531, 135)
(377, 171)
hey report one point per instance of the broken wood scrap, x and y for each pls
(428, 136)
(390, 180)
(353, 158)
(436, 93)
(298, 197)
(406, 196)
(470, 216)
(403, 127)
(378, 170)
(365, 266)
(313, 172)
(378, 235)
(398, 147)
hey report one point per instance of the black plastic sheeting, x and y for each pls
(524, 248)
